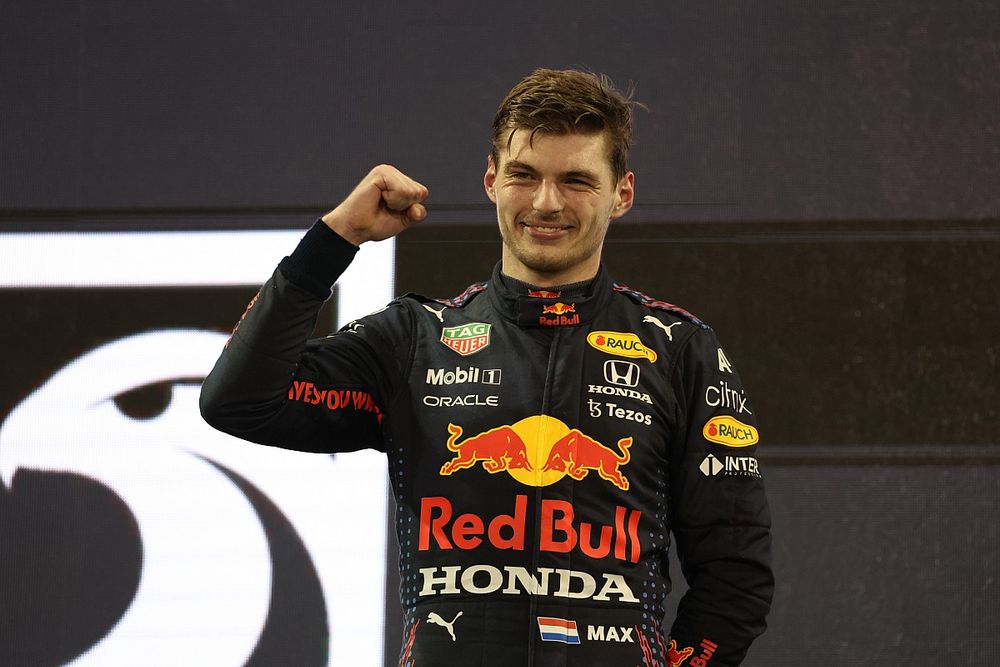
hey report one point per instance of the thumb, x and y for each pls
(416, 212)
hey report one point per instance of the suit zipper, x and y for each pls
(550, 371)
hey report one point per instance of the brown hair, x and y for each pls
(564, 102)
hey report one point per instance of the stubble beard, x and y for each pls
(546, 260)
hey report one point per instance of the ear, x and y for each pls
(489, 179)
(624, 196)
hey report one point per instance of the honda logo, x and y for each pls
(624, 373)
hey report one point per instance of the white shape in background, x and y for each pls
(143, 259)
(206, 571)
(337, 505)
(366, 286)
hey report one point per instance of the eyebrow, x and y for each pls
(513, 165)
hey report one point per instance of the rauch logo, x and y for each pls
(726, 430)
(620, 344)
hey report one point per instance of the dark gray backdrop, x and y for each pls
(817, 180)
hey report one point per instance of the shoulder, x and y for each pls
(693, 347)
(658, 306)
(436, 306)
(460, 301)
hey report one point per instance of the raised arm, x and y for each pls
(273, 386)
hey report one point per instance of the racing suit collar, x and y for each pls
(549, 307)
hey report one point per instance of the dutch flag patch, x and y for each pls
(558, 630)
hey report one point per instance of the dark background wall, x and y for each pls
(819, 181)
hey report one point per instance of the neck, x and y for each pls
(521, 287)
(576, 274)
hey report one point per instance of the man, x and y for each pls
(545, 430)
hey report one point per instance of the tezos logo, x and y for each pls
(726, 430)
(620, 344)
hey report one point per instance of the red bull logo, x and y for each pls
(559, 308)
(538, 451)
(559, 314)
(498, 449)
(675, 657)
(544, 294)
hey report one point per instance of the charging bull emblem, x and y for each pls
(538, 451)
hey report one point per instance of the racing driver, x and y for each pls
(547, 430)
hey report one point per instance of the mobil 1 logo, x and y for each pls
(459, 375)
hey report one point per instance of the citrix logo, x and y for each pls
(724, 396)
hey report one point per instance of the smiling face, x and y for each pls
(555, 196)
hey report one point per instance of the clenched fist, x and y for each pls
(384, 203)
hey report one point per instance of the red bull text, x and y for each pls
(559, 530)
(560, 315)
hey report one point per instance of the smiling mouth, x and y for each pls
(545, 230)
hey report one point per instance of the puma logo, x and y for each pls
(435, 619)
(666, 329)
(438, 313)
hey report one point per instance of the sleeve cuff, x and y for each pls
(319, 260)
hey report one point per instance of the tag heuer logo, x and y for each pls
(468, 338)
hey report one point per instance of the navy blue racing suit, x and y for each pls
(542, 446)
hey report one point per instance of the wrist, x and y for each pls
(339, 226)
(318, 260)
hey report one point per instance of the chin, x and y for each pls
(548, 265)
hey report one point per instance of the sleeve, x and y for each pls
(273, 386)
(719, 512)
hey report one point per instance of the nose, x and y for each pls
(548, 199)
